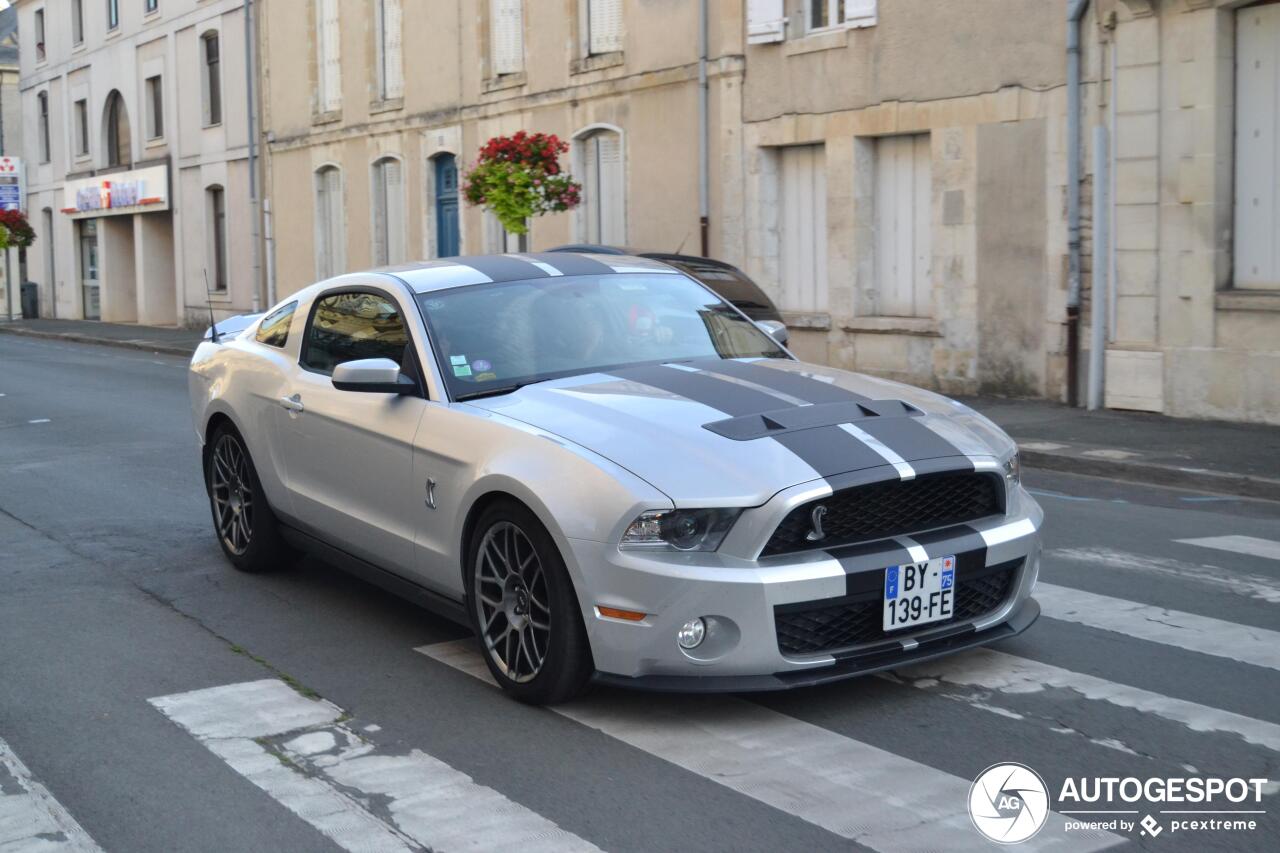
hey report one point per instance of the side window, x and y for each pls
(350, 326)
(274, 329)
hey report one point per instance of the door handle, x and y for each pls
(293, 404)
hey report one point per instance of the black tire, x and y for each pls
(246, 527)
(551, 665)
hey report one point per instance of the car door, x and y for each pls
(349, 454)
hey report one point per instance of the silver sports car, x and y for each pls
(611, 474)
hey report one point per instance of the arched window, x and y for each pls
(331, 234)
(216, 216)
(211, 77)
(388, 212)
(116, 127)
(599, 165)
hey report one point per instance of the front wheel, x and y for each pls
(523, 608)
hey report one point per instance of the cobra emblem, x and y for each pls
(817, 533)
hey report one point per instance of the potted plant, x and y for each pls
(518, 177)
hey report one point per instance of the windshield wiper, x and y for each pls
(499, 391)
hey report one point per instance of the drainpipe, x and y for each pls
(1101, 286)
(249, 48)
(704, 159)
(1075, 13)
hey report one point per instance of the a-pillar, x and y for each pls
(153, 254)
(118, 292)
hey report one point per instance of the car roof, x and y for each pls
(425, 276)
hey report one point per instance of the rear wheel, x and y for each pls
(524, 609)
(246, 528)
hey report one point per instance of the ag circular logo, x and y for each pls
(1008, 803)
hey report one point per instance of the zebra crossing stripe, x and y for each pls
(1251, 545)
(860, 792)
(31, 820)
(1187, 631)
(1219, 579)
(990, 670)
(301, 752)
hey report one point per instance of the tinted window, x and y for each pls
(350, 326)
(496, 335)
(274, 328)
(733, 285)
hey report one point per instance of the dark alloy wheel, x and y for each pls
(246, 527)
(524, 609)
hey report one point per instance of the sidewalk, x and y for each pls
(1213, 456)
(169, 340)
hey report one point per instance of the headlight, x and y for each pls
(1012, 470)
(680, 529)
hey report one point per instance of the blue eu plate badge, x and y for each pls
(891, 583)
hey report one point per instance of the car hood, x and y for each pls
(735, 432)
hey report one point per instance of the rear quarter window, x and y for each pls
(274, 328)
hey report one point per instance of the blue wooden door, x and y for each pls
(446, 206)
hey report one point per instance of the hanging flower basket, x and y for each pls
(18, 232)
(518, 177)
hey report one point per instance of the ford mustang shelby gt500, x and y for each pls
(611, 473)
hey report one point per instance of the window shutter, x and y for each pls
(903, 213)
(1257, 203)
(329, 58)
(604, 24)
(613, 199)
(506, 36)
(803, 221)
(861, 12)
(765, 21)
(394, 198)
(392, 62)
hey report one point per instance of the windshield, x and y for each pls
(493, 337)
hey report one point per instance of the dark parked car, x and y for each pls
(725, 279)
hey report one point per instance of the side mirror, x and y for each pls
(775, 330)
(373, 376)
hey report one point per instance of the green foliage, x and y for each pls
(518, 177)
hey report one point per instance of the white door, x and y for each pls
(803, 224)
(903, 213)
(1257, 209)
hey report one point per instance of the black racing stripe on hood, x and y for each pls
(906, 436)
(788, 382)
(728, 397)
(503, 268)
(571, 264)
(827, 449)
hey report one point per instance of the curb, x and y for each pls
(76, 337)
(1240, 485)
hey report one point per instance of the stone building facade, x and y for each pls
(137, 142)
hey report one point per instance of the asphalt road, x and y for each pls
(1156, 658)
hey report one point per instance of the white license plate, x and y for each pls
(919, 593)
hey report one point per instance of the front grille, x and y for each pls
(828, 625)
(889, 508)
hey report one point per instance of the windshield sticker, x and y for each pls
(457, 359)
(486, 377)
(461, 370)
(481, 365)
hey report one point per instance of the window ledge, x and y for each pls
(387, 105)
(921, 326)
(816, 321)
(326, 118)
(1247, 300)
(505, 81)
(154, 142)
(828, 40)
(595, 62)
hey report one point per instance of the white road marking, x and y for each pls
(1222, 580)
(1004, 673)
(301, 753)
(1250, 545)
(1188, 631)
(38, 421)
(876, 798)
(31, 820)
(1106, 453)
(1040, 445)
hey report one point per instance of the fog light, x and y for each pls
(691, 633)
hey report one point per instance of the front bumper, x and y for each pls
(737, 599)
